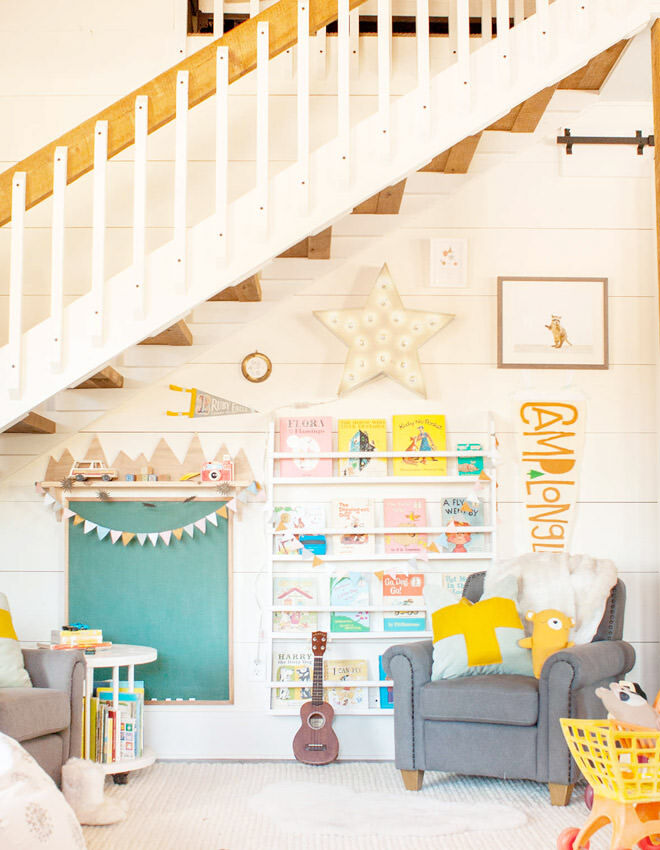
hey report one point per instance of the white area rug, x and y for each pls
(229, 806)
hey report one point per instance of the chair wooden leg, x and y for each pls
(412, 779)
(560, 795)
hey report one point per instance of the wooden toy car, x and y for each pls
(84, 469)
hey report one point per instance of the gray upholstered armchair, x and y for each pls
(47, 718)
(502, 725)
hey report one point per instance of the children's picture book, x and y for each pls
(362, 435)
(386, 693)
(353, 515)
(294, 668)
(469, 465)
(294, 594)
(403, 595)
(403, 512)
(306, 435)
(454, 582)
(351, 589)
(419, 433)
(463, 515)
(345, 670)
(296, 527)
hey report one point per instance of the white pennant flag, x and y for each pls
(189, 529)
(165, 537)
(201, 524)
(102, 532)
(114, 535)
(88, 526)
(212, 518)
(232, 505)
(68, 513)
(57, 506)
(153, 536)
(48, 499)
(141, 536)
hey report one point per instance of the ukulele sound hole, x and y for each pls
(316, 721)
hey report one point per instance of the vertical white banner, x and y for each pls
(550, 446)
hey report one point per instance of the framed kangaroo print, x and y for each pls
(552, 323)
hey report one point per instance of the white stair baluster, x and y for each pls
(221, 148)
(57, 258)
(579, 26)
(486, 20)
(384, 73)
(451, 30)
(503, 38)
(518, 12)
(343, 93)
(98, 231)
(262, 127)
(463, 49)
(320, 53)
(542, 14)
(303, 104)
(140, 204)
(423, 66)
(218, 18)
(181, 181)
(354, 32)
(254, 8)
(14, 382)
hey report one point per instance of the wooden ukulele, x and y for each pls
(315, 741)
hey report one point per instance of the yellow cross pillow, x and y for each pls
(472, 639)
(12, 672)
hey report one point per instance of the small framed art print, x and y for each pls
(552, 323)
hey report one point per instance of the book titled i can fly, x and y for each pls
(420, 434)
(306, 435)
(362, 435)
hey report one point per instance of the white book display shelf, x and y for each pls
(285, 644)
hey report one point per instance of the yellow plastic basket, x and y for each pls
(619, 761)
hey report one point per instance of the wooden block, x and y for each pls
(57, 469)
(438, 163)
(592, 76)
(106, 379)
(32, 424)
(457, 159)
(387, 202)
(318, 246)
(247, 290)
(460, 155)
(298, 251)
(178, 334)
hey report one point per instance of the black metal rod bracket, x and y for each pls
(638, 139)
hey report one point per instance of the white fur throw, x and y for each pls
(33, 812)
(577, 585)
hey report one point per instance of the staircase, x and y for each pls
(487, 79)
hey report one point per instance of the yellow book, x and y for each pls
(362, 435)
(419, 433)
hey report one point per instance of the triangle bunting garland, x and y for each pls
(202, 525)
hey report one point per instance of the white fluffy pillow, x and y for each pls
(12, 672)
(33, 812)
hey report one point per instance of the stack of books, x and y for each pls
(85, 639)
(115, 733)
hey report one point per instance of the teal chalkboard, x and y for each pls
(175, 598)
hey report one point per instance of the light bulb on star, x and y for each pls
(384, 325)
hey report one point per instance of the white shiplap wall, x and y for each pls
(523, 214)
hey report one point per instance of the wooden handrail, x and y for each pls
(242, 43)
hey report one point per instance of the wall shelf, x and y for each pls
(286, 646)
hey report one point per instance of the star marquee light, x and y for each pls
(383, 337)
